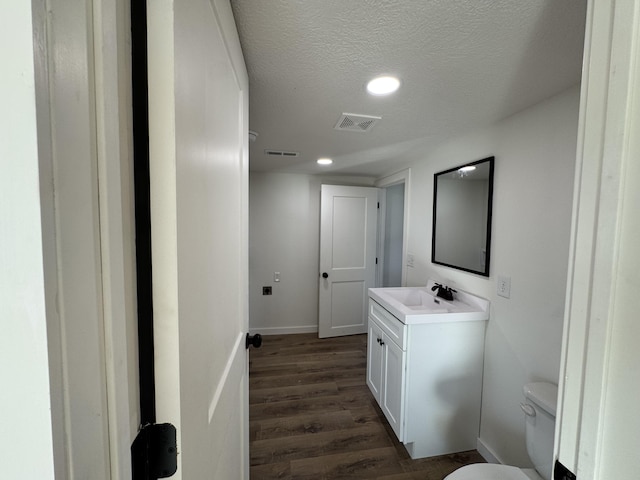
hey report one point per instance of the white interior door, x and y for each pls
(348, 229)
(198, 173)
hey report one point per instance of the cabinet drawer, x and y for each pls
(394, 328)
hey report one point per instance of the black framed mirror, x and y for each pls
(462, 205)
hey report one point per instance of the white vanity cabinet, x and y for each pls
(427, 379)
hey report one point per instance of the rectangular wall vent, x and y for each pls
(351, 122)
(281, 153)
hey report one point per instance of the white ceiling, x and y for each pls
(462, 64)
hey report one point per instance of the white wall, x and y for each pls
(284, 234)
(535, 158)
(26, 442)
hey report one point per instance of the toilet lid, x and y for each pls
(488, 471)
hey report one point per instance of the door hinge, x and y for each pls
(378, 205)
(376, 260)
(560, 472)
(154, 453)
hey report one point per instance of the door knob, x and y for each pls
(255, 340)
(325, 275)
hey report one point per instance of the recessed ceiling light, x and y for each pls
(383, 85)
(325, 161)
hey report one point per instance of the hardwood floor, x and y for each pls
(312, 416)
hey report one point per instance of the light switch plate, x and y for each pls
(410, 260)
(504, 286)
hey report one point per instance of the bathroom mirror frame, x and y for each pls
(483, 264)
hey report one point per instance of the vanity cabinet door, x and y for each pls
(393, 382)
(374, 359)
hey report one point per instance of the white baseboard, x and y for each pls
(487, 453)
(264, 331)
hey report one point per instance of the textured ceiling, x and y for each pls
(462, 64)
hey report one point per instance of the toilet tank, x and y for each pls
(540, 410)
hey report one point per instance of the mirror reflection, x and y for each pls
(462, 200)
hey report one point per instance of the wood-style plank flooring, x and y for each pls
(312, 416)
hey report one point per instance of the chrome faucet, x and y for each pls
(443, 292)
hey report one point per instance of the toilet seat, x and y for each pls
(488, 471)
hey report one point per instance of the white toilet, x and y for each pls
(540, 411)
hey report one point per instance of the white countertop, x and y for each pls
(418, 305)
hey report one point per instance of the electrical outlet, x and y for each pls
(504, 286)
(266, 290)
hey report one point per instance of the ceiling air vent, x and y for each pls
(281, 153)
(351, 122)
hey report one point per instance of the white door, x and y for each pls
(348, 228)
(198, 174)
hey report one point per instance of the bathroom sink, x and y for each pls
(418, 299)
(413, 305)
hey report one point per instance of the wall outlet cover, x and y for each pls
(504, 286)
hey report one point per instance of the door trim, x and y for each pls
(600, 314)
(116, 217)
(84, 152)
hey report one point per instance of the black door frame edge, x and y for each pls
(140, 124)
